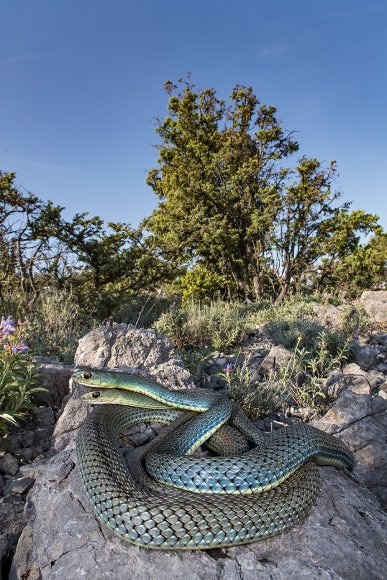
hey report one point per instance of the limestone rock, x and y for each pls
(328, 315)
(126, 347)
(359, 418)
(364, 355)
(12, 521)
(375, 304)
(277, 355)
(53, 376)
(9, 464)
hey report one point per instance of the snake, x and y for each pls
(167, 498)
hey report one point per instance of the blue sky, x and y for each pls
(82, 84)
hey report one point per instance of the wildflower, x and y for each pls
(356, 332)
(229, 369)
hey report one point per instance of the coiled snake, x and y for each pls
(222, 501)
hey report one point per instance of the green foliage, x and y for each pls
(359, 270)
(354, 321)
(302, 331)
(57, 323)
(257, 399)
(305, 372)
(143, 310)
(292, 309)
(17, 374)
(195, 362)
(229, 204)
(218, 325)
(200, 284)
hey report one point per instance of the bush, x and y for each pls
(257, 399)
(305, 373)
(218, 325)
(57, 323)
(17, 373)
(142, 311)
(289, 310)
(354, 321)
(301, 331)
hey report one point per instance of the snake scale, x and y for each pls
(170, 500)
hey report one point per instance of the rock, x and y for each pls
(343, 536)
(278, 355)
(18, 485)
(364, 355)
(359, 417)
(126, 347)
(1, 484)
(12, 520)
(333, 378)
(375, 304)
(343, 533)
(44, 416)
(54, 377)
(327, 315)
(9, 464)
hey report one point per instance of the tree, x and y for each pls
(311, 227)
(101, 263)
(359, 269)
(219, 184)
(231, 207)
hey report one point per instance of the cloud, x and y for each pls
(274, 51)
(27, 57)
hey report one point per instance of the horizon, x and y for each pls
(82, 85)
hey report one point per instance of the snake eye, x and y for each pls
(87, 375)
(96, 395)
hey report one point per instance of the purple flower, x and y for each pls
(229, 368)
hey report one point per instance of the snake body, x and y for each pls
(252, 496)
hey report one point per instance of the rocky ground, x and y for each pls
(49, 531)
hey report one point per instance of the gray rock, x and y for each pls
(375, 304)
(364, 355)
(278, 355)
(332, 378)
(12, 521)
(359, 417)
(54, 377)
(1, 484)
(18, 485)
(126, 347)
(327, 314)
(44, 416)
(343, 536)
(9, 464)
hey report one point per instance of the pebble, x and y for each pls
(9, 464)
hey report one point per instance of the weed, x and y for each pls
(257, 399)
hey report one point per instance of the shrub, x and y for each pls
(305, 372)
(301, 331)
(201, 284)
(354, 321)
(257, 399)
(195, 362)
(17, 373)
(218, 325)
(142, 311)
(289, 310)
(57, 324)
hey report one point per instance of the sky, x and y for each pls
(81, 86)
